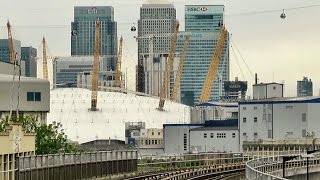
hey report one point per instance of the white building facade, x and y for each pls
(279, 119)
(33, 98)
(213, 136)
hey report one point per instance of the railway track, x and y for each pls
(170, 175)
(219, 175)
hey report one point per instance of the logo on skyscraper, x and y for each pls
(197, 8)
(93, 10)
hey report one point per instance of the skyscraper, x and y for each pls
(29, 55)
(157, 18)
(204, 24)
(83, 33)
(304, 87)
(5, 51)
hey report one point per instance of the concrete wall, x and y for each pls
(282, 120)
(7, 68)
(212, 143)
(174, 138)
(15, 140)
(26, 85)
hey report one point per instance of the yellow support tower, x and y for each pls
(118, 67)
(181, 64)
(45, 60)
(10, 42)
(169, 64)
(95, 76)
(213, 68)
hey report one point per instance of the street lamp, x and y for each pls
(310, 152)
(284, 160)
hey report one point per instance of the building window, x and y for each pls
(33, 96)
(304, 133)
(270, 134)
(233, 135)
(255, 108)
(269, 117)
(211, 135)
(264, 117)
(255, 119)
(205, 135)
(244, 134)
(244, 108)
(158, 133)
(304, 117)
(185, 142)
(289, 107)
(221, 135)
(152, 133)
(255, 134)
(244, 120)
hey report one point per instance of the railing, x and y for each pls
(188, 161)
(270, 168)
(76, 166)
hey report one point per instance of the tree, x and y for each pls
(50, 139)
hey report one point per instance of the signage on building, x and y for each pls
(93, 10)
(197, 8)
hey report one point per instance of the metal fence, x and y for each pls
(75, 166)
(270, 168)
(187, 161)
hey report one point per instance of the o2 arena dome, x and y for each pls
(70, 106)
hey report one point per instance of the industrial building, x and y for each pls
(212, 136)
(29, 56)
(280, 118)
(214, 111)
(147, 141)
(304, 87)
(66, 69)
(70, 106)
(83, 31)
(203, 22)
(105, 83)
(156, 19)
(34, 96)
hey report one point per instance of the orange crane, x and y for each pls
(95, 74)
(164, 89)
(118, 67)
(10, 42)
(45, 60)
(213, 68)
(181, 64)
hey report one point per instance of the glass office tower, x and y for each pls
(203, 22)
(83, 33)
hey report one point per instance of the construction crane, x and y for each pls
(181, 64)
(118, 67)
(11, 48)
(213, 68)
(95, 76)
(164, 89)
(45, 60)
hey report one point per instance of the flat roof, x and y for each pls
(310, 99)
(215, 128)
(264, 84)
(9, 78)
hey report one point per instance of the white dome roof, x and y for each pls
(70, 107)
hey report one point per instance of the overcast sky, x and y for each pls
(278, 50)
